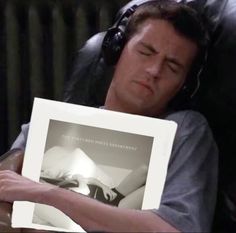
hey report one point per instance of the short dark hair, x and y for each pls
(184, 19)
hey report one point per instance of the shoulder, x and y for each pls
(186, 117)
(188, 121)
(194, 139)
(179, 116)
(189, 179)
(21, 139)
(25, 129)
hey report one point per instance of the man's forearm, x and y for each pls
(88, 213)
(96, 216)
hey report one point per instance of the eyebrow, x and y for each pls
(153, 50)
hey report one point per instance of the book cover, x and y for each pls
(117, 158)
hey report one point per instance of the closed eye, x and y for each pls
(174, 65)
(145, 49)
(174, 68)
(145, 53)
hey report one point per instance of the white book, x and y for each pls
(120, 159)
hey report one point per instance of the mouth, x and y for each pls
(144, 85)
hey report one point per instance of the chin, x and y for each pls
(135, 105)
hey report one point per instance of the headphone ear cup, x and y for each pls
(112, 45)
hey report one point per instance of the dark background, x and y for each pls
(38, 42)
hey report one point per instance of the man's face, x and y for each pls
(152, 68)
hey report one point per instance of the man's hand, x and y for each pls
(12, 160)
(14, 187)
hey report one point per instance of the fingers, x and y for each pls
(78, 177)
(12, 160)
(66, 174)
(7, 173)
(5, 181)
(113, 196)
(9, 176)
(106, 196)
(14, 187)
(6, 176)
(109, 195)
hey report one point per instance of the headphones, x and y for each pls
(114, 42)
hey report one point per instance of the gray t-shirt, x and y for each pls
(189, 195)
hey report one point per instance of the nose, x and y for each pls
(154, 68)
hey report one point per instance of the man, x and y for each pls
(163, 43)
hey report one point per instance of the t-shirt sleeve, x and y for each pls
(20, 141)
(189, 195)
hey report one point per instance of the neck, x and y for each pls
(115, 104)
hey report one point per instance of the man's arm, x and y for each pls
(191, 176)
(11, 160)
(88, 213)
(186, 203)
